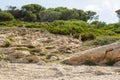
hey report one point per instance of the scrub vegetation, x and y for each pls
(80, 24)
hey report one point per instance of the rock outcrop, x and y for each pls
(34, 45)
(104, 55)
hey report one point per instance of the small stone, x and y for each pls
(41, 63)
(99, 73)
(53, 58)
(50, 47)
(68, 51)
(33, 59)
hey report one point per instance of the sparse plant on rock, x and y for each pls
(7, 44)
(110, 62)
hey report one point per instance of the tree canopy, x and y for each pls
(36, 12)
(118, 14)
(34, 8)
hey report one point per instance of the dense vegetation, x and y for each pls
(97, 33)
(35, 12)
(5, 16)
(62, 21)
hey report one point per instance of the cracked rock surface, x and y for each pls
(33, 45)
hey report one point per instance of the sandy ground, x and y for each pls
(20, 71)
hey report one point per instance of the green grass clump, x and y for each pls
(87, 36)
(105, 40)
(22, 48)
(102, 41)
(7, 44)
(1, 57)
(110, 62)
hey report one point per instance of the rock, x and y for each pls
(53, 50)
(3, 64)
(69, 51)
(35, 43)
(54, 58)
(65, 49)
(100, 55)
(1, 57)
(46, 40)
(41, 63)
(33, 59)
(4, 42)
(117, 64)
(39, 50)
(62, 48)
(50, 47)
(19, 54)
(76, 41)
(99, 73)
(7, 50)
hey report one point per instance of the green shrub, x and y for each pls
(65, 30)
(7, 44)
(114, 27)
(98, 24)
(66, 27)
(117, 31)
(76, 35)
(87, 36)
(30, 17)
(5, 16)
(3, 24)
(1, 57)
(110, 62)
(105, 40)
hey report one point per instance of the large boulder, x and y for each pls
(108, 54)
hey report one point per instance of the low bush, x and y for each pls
(103, 41)
(5, 16)
(110, 62)
(76, 28)
(87, 36)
